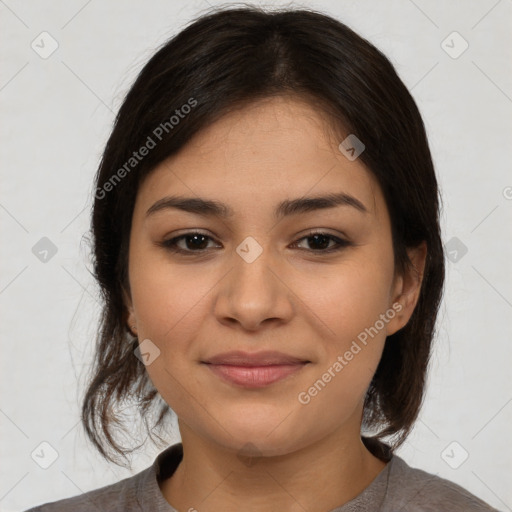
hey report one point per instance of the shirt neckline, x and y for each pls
(150, 497)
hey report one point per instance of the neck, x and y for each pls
(319, 477)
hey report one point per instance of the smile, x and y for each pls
(254, 376)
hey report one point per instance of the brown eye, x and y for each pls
(320, 242)
(194, 242)
(190, 243)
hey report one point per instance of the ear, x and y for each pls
(131, 321)
(406, 288)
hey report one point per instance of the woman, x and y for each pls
(266, 238)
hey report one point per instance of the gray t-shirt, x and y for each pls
(398, 487)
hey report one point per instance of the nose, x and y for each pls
(254, 294)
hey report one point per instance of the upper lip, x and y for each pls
(264, 358)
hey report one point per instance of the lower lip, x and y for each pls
(254, 376)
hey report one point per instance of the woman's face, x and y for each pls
(256, 280)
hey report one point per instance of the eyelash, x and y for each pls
(171, 244)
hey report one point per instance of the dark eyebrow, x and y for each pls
(208, 207)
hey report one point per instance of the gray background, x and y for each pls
(56, 116)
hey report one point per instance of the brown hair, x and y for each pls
(228, 58)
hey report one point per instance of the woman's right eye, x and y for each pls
(193, 242)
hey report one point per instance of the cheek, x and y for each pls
(352, 298)
(354, 306)
(351, 306)
(169, 303)
(167, 299)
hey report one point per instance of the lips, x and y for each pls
(266, 358)
(254, 370)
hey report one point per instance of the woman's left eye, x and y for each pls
(322, 241)
(319, 243)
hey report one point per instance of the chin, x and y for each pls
(266, 437)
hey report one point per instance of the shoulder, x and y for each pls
(120, 496)
(134, 494)
(414, 490)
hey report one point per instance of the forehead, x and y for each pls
(259, 154)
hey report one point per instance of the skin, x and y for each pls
(292, 299)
